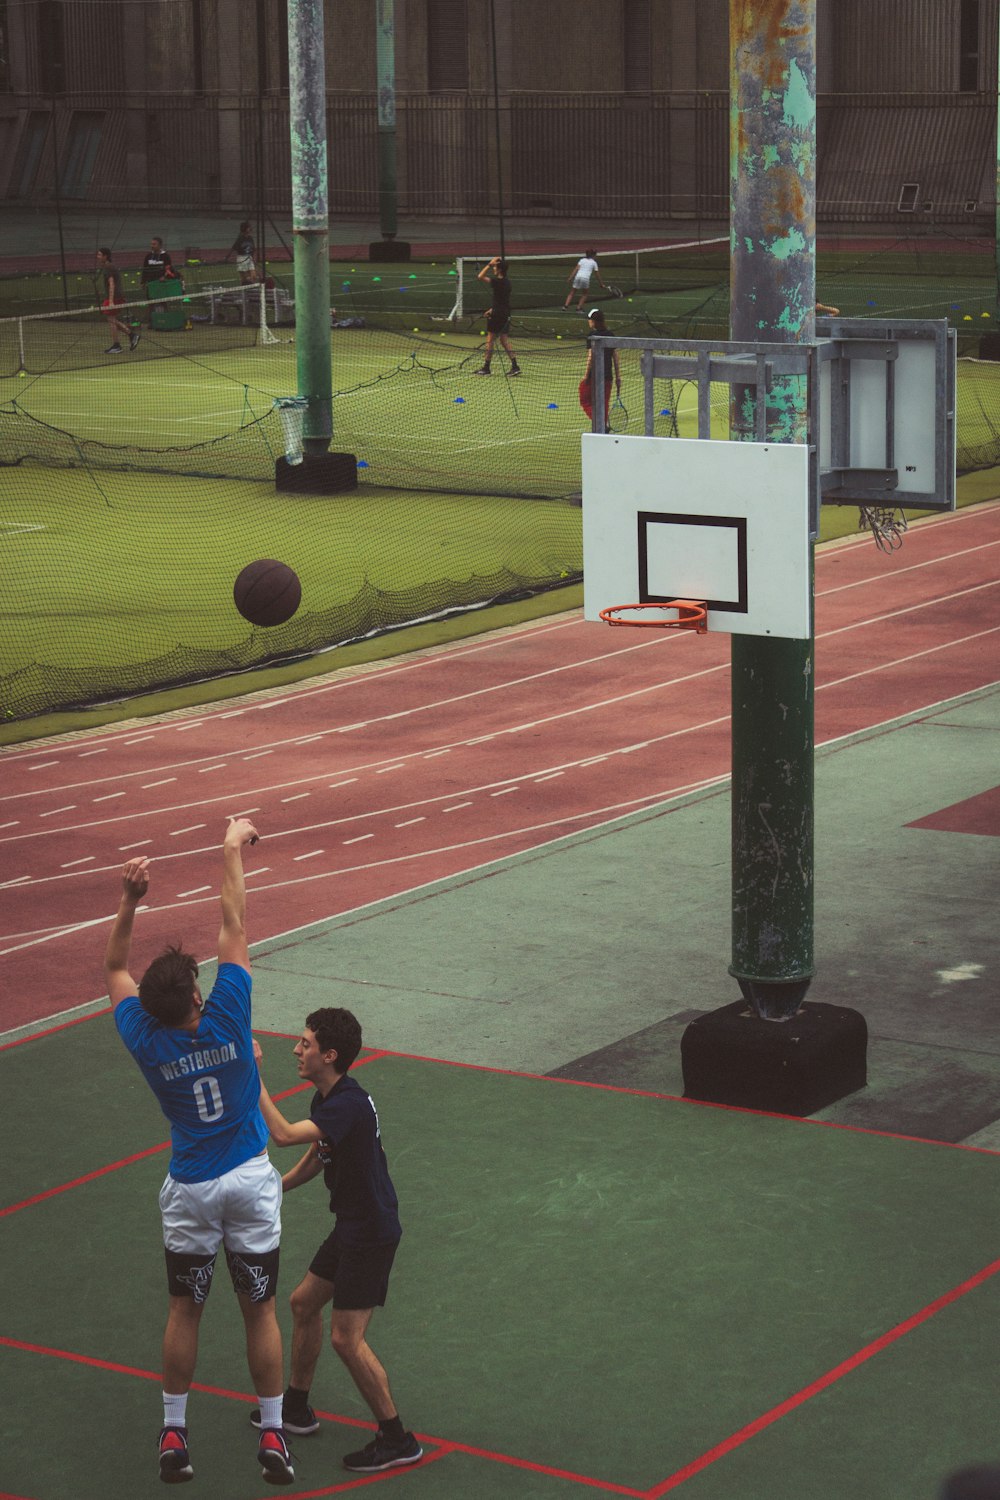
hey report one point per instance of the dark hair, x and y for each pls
(156, 240)
(103, 250)
(166, 990)
(336, 1030)
(592, 254)
(245, 227)
(502, 267)
(596, 315)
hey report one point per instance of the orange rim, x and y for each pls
(692, 614)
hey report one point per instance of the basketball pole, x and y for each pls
(773, 298)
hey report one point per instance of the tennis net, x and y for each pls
(544, 280)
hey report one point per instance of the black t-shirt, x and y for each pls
(155, 265)
(354, 1166)
(501, 296)
(112, 283)
(609, 358)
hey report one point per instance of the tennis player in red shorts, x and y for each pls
(114, 301)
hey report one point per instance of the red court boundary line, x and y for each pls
(737, 1109)
(115, 1166)
(737, 1439)
(673, 1481)
(442, 1444)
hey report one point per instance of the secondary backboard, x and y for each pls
(723, 522)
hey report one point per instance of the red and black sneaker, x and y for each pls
(175, 1461)
(274, 1457)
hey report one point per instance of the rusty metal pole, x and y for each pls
(773, 298)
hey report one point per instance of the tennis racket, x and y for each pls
(615, 291)
(618, 416)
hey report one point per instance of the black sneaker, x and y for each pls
(274, 1457)
(113, 349)
(515, 369)
(483, 371)
(175, 1461)
(383, 1454)
(134, 338)
(299, 1420)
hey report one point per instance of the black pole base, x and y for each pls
(318, 474)
(793, 1067)
(382, 250)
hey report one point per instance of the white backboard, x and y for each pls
(723, 522)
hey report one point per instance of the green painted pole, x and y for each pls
(996, 241)
(307, 118)
(385, 37)
(773, 298)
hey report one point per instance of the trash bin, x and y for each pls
(169, 310)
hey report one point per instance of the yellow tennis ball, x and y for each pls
(967, 318)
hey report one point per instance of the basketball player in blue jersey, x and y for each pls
(197, 1056)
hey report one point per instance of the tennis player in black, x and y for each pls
(498, 317)
(351, 1268)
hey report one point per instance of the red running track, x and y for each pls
(374, 782)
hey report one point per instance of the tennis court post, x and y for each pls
(388, 248)
(321, 472)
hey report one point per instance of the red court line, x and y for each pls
(736, 1109)
(126, 1161)
(443, 1444)
(737, 1439)
(50, 1031)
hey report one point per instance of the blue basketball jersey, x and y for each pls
(206, 1081)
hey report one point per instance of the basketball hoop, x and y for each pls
(692, 614)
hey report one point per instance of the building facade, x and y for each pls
(575, 108)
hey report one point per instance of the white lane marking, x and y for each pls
(55, 811)
(175, 833)
(136, 844)
(198, 889)
(109, 797)
(550, 777)
(297, 797)
(311, 855)
(102, 751)
(359, 839)
(457, 807)
(147, 786)
(410, 822)
(220, 767)
(44, 765)
(86, 860)
(505, 791)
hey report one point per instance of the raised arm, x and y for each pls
(135, 883)
(233, 947)
(487, 269)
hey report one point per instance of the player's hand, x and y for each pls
(258, 1055)
(135, 878)
(240, 831)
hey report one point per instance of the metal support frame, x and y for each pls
(826, 366)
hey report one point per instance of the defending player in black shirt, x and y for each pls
(351, 1268)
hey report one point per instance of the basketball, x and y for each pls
(267, 592)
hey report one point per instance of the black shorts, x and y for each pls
(360, 1273)
(497, 322)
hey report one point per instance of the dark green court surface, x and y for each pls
(596, 1288)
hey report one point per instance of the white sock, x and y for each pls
(270, 1411)
(175, 1410)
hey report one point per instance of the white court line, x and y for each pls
(592, 707)
(195, 892)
